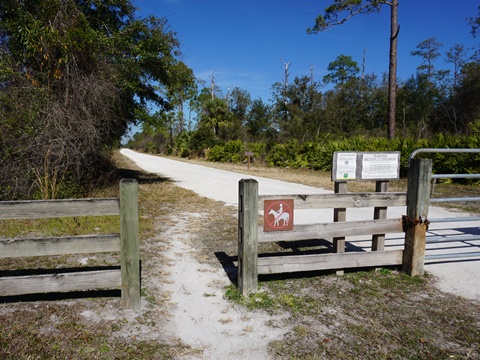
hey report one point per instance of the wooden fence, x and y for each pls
(413, 224)
(126, 242)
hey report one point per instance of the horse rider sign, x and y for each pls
(278, 215)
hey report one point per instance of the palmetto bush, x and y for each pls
(317, 155)
(231, 151)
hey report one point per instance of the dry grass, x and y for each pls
(362, 315)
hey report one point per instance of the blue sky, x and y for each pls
(243, 42)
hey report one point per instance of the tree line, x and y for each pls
(76, 75)
(346, 102)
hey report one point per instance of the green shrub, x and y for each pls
(283, 155)
(202, 139)
(231, 151)
(259, 150)
(317, 155)
(216, 153)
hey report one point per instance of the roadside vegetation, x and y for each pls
(317, 155)
(368, 314)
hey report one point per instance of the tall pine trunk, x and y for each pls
(392, 69)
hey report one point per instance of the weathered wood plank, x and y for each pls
(36, 209)
(419, 178)
(295, 263)
(130, 258)
(81, 281)
(59, 245)
(349, 200)
(339, 215)
(328, 230)
(378, 240)
(247, 236)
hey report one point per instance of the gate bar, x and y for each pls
(439, 200)
(455, 176)
(451, 256)
(439, 220)
(451, 238)
(434, 150)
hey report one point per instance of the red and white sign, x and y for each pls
(278, 215)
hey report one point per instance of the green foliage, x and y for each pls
(428, 50)
(216, 115)
(258, 121)
(298, 112)
(474, 128)
(181, 145)
(231, 151)
(233, 294)
(317, 155)
(456, 163)
(283, 155)
(75, 75)
(259, 300)
(259, 150)
(474, 22)
(234, 151)
(201, 140)
(342, 10)
(341, 70)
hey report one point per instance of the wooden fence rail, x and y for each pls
(311, 262)
(349, 200)
(412, 257)
(38, 209)
(125, 242)
(333, 229)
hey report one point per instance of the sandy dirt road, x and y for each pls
(455, 276)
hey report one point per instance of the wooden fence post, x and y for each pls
(247, 279)
(378, 240)
(416, 222)
(339, 214)
(130, 262)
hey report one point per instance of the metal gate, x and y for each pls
(463, 239)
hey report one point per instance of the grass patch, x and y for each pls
(374, 315)
(381, 314)
(54, 227)
(68, 337)
(59, 226)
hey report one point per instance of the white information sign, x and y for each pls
(380, 166)
(346, 166)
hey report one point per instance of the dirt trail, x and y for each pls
(200, 316)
